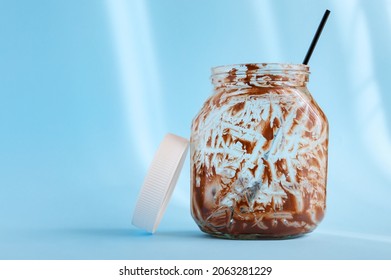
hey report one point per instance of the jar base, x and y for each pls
(254, 236)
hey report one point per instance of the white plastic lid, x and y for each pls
(160, 182)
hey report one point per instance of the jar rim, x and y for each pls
(243, 68)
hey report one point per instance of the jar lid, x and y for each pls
(160, 182)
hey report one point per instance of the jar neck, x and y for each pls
(260, 75)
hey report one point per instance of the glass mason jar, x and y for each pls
(259, 154)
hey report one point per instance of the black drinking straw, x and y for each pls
(316, 37)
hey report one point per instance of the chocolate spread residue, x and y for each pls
(237, 108)
(252, 67)
(267, 131)
(259, 158)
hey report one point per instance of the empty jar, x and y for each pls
(259, 154)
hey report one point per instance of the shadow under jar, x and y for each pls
(259, 154)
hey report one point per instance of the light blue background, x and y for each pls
(89, 88)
